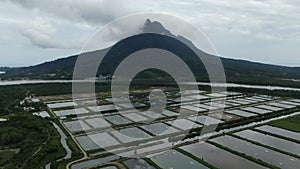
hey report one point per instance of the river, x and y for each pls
(19, 82)
(63, 141)
(234, 85)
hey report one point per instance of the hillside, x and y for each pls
(237, 71)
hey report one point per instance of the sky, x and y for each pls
(35, 31)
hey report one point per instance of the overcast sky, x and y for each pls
(34, 31)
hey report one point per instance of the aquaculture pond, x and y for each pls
(219, 157)
(271, 141)
(280, 131)
(175, 160)
(267, 155)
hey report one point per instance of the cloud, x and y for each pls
(273, 18)
(40, 34)
(235, 26)
(91, 11)
(40, 39)
(75, 21)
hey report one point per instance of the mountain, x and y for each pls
(154, 36)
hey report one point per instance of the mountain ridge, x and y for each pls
(237, 70)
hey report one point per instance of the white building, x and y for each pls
(42, 114)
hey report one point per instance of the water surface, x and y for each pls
(271, 141)
(219, 157)
(267, 155)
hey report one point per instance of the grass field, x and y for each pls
(290, 123)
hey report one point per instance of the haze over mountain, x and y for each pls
(156, 36)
